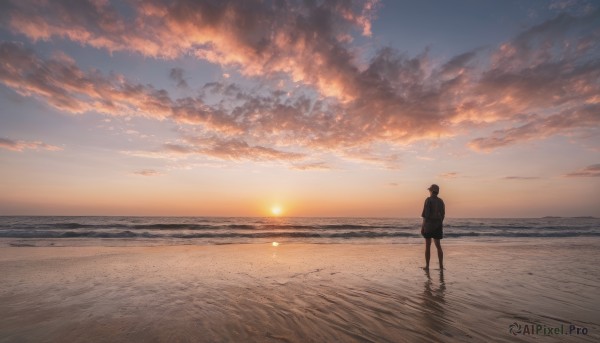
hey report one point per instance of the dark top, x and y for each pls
(433, 215)
(434, 208)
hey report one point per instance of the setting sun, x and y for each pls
(276, 210)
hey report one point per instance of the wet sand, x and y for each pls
(299, 293)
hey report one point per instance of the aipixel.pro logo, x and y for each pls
(545, 330)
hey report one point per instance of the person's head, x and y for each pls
(434, 189)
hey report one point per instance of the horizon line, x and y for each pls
(291, 217)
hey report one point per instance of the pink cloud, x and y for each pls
(147, 172)
(295, 38)
(311, 166)
(231, 149)
(67, 88)
(20, 145)
(568, 121)
(541, 83)
(449, 175)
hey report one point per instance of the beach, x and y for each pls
(211, 171)
(301, 292)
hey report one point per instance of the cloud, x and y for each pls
(562, 4)
(589, 171)
(449, 175)
(156, 154)
(224, 149)
(371, 155)
(20, 145)
(582, 118)
(546, 75)
(299, 38)
(176, 74)
(230, 149)
(147, 172)
(520, 178)
(65, 87)
(236, 149)
(311, 166)
(543, 82)
(581, 6)
(301, 41)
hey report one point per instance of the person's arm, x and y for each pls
(426, 209)
(424, 214)
(443, 209)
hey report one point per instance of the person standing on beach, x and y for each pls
(433, 215)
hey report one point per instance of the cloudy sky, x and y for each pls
(324, 108)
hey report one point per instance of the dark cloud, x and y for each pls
(520, 178)
(457, 65)
(589, 171)
(176, 74)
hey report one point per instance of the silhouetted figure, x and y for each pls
(433, 215)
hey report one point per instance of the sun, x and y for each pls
(276, 210)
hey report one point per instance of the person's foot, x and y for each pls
(426, 268)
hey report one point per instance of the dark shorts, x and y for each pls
(437, 234)
(433, 229)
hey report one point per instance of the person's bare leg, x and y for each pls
(427, 252)
(440, 252)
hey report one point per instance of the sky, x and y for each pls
(317, 108)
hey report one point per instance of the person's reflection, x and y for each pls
(433, 303)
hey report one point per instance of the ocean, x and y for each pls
(227, 230)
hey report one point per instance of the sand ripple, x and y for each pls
(293, 293)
